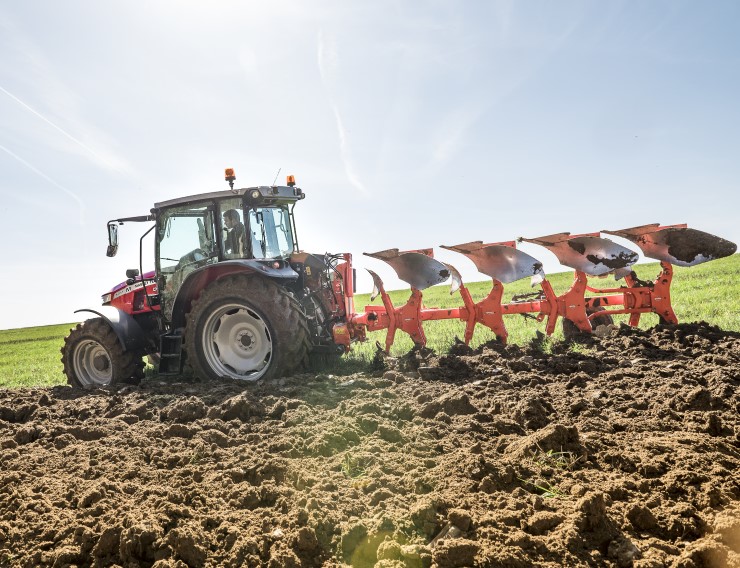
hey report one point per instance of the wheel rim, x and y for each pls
(237, 343)
(92, 364)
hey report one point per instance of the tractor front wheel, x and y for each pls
(246, 327)
(93, 357)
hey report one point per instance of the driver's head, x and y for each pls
(231, 218)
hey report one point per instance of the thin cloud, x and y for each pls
(327, 61)
(42, 175)
(81, 144)
(344, 152)
(23, 52)
(451, 135)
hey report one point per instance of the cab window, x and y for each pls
(270, 232)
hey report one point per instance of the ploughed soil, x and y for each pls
(624, 451)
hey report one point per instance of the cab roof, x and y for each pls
(267, 195)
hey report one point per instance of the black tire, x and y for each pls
(93, 357)
(571, 331)
(246, 327)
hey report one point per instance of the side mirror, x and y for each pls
(112, 240)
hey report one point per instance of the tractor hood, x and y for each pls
(124, 287)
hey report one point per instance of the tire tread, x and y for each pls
(283, 311)
(128, 366)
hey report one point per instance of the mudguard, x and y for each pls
(129, 332)
(202, 277)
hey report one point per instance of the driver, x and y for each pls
(234, 241)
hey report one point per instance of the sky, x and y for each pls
(408, 124)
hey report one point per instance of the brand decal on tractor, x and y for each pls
(133, 287)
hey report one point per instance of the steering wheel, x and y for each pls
(195, 255)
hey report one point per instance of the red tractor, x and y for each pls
(230, 296)
(233, 296)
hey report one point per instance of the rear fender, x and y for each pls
(203, 277)
(127, 329)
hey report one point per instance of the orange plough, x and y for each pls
(581, 306)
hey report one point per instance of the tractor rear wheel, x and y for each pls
(246, 327)
(571, 331)
(93, 357)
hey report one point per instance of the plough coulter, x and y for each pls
(232, 295)
(581, 307)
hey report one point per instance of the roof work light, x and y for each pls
(230, 176)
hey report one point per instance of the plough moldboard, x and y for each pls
(582, 305)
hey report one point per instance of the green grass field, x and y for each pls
(710, 292)
(31, 356)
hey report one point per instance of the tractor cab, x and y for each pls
(240, 228)
(249, 228)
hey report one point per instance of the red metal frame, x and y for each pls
(580, 304)
(638, 299)
(573, 305)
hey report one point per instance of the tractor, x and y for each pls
(231, 295)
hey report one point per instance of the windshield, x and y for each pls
(270, 232)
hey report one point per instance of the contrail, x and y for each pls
(327, 63)
(60, 129)
(345, 154)
(41, 174)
